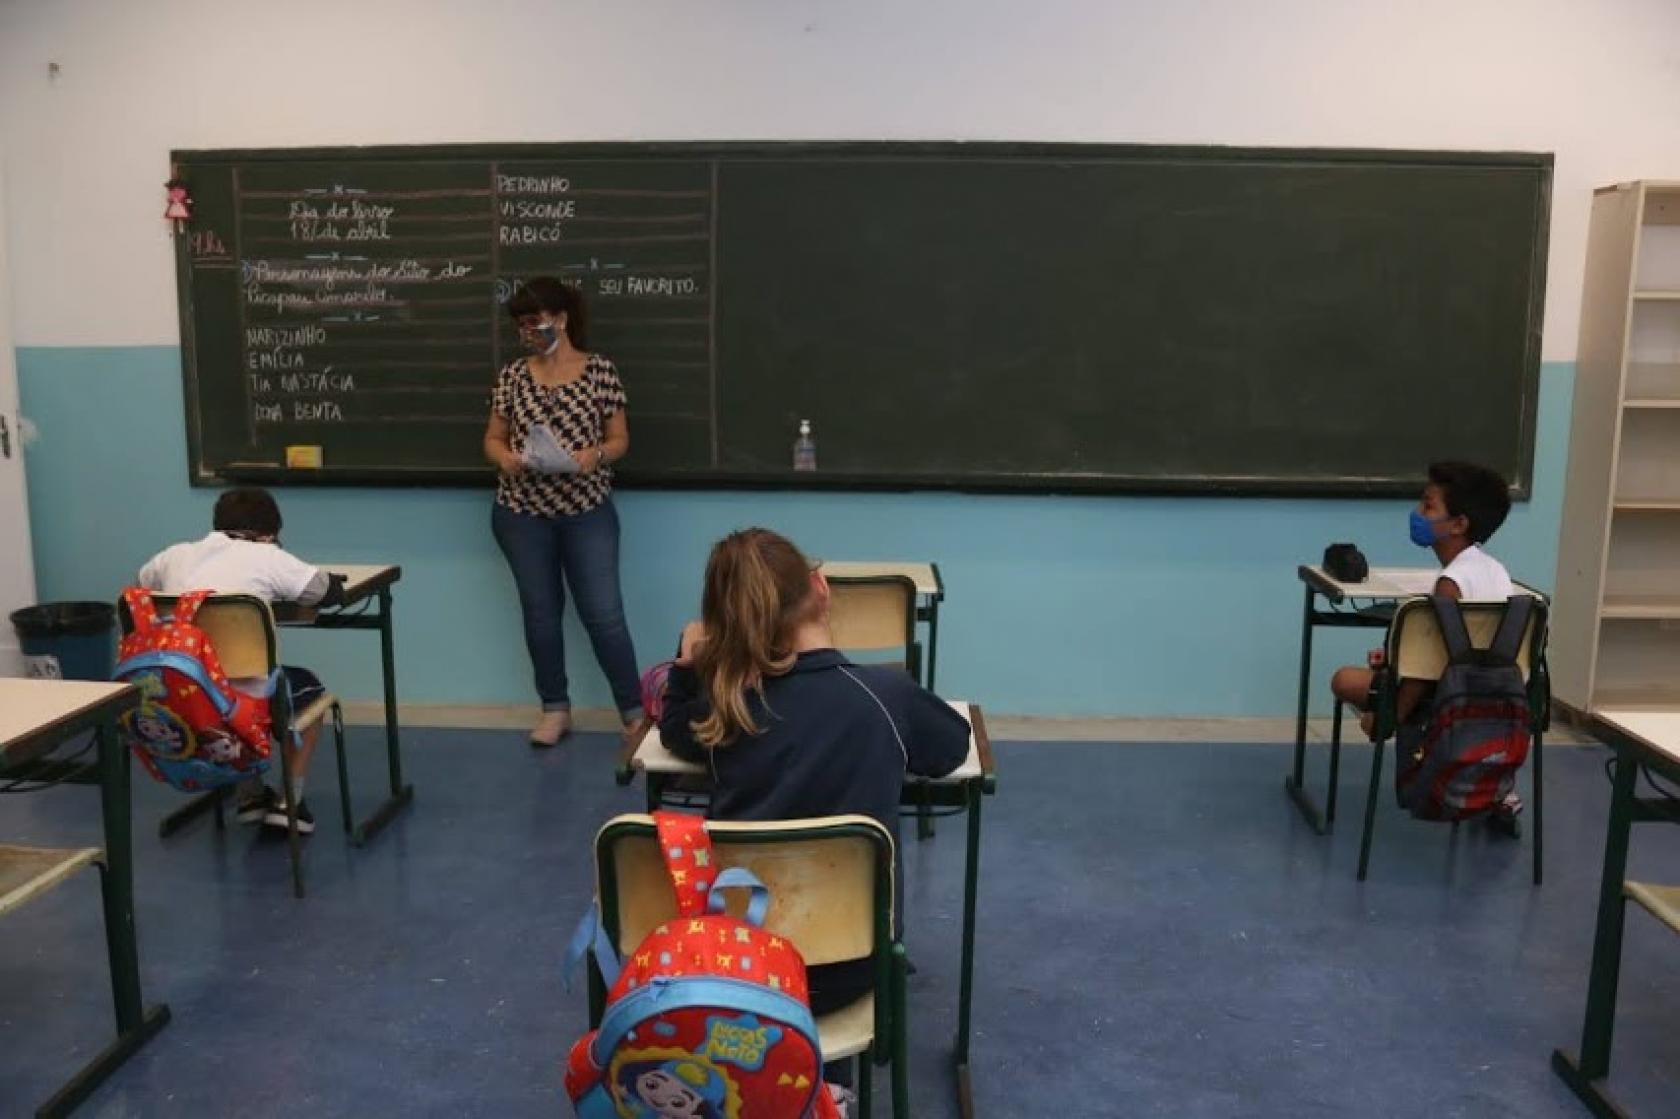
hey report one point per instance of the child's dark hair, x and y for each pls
(1474, 492)
(545, 293)
(247, 511)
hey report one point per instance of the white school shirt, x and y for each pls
(226, 565)
(1480, 577)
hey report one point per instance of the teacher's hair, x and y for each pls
(545, 293)
(758, 592)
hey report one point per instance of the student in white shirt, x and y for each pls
(1462, 506)
(243, 556)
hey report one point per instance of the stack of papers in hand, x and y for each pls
(545, 455)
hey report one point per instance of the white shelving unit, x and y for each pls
(1616, 617)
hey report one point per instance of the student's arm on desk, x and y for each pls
(324, 588)
(684, 705)
(938, 741)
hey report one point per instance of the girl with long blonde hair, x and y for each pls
(787, 726)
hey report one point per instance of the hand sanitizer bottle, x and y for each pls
(804, 448)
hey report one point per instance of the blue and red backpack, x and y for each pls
(193, 729)
(709, 1018)
(1461, 759)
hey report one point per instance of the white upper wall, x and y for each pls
(86, 152)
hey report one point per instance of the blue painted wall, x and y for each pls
(1055, 605)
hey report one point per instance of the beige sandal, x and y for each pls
(550, 729)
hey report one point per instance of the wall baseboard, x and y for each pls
(1003, 728)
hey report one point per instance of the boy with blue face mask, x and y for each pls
(1461, 507)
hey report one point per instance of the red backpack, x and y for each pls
(709, 1018)
(1461, 759)
(653, 689)
(193, 729)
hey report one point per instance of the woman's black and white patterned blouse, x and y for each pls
(577, 413)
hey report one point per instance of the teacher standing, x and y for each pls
(554, 517)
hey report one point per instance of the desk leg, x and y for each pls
(1293, 783)
(117, 885)
(924, 813)
(933, 640)
(401, 794)
(1585, 1076)
(965, 999)
(135, 1025)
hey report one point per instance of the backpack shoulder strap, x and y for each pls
(186, 607)
(687, 851)
(1451, 620)
(1507, 643)
(142, 611)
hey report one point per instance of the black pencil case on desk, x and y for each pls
(1345, 563)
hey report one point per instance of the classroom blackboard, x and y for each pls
(1051, 317)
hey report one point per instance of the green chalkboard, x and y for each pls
(967, 316)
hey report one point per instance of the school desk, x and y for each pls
(36, 717)
(960, 791)
(1648, 738)
(367, 605)
(1365, 605)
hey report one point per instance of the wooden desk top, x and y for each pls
(1382, 584)
(363, 579)
(32, 710)
(651, 755)
(1658, 730)
(924, 575)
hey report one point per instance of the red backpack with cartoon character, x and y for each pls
(709, 1017)
(193, 729)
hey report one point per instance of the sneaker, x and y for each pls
(551, 728)
(844, 1099)
(276, 816)
(254, 806)
(1504, 820)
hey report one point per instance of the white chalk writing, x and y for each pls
(530, 234)
(533, 184)
(293, 336)
(316, 411)
(276, 358)
(372, 295)
(329, 275)
(340, 221)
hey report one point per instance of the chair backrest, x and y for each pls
(1416, 650)
(830, 880)
(873, 613)
(240, 627)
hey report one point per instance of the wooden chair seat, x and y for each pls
(28, 872)
(1662, 902)
(849, 1030)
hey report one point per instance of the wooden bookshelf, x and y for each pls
(1616, 616)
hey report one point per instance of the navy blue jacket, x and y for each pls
(825, 744)
(825, 747)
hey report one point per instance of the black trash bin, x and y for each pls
(68, 640)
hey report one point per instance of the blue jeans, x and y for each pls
(583, 549)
